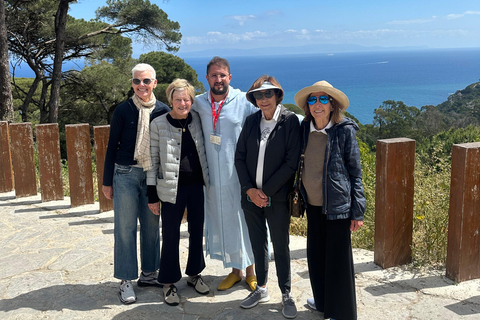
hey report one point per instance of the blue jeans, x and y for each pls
(130, 203)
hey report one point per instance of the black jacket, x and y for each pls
(123, 135)
(281, 155)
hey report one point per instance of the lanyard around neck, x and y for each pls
(216, 114)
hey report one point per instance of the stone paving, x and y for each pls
(56, 262)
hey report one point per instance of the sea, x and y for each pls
(416, 77)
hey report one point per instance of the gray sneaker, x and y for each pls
(149, 279)
(289, 310)
(254, 298)
(127, 294)
(198, 283)
(170, 295)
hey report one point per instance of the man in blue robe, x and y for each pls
(223, 110)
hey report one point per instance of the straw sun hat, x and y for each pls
(321, 86)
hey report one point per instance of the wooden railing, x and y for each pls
(394, 193)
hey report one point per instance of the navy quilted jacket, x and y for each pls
(343, 196)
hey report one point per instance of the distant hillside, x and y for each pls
(463, 107)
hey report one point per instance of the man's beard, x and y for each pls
(219, 92)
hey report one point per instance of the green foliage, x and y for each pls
(394, 119)
(463, 107)
(146, 20)
(19, 90)
(94, 92)
(168, 68)
(431, 204)
(438, 148)
(364, 237)
(32, 38)
(298, 226)
(294, 108)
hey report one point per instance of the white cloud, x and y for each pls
(273, 13)
(217, 37)
(241, 19)
(433, 18)
(412, 21)
(461, 15)
(302, 36)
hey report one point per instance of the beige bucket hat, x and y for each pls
(321, 86)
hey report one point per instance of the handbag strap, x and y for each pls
(300, 164)
(299, 173)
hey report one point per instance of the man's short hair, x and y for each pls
(221, 62)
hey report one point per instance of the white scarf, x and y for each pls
(142, 144)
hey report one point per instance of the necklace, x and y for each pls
(183, 126)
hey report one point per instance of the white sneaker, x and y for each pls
(311, 303)
(127, 294)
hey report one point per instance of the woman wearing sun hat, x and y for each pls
(266, 159)
(333, 191)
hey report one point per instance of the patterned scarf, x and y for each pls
(142, 144)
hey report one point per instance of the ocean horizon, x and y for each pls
(418, 78)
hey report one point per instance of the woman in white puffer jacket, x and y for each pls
(178, 175)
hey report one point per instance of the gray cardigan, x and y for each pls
(165, 150)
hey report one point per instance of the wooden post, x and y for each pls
(79, 154)
(6, 173)
(101, 134)
(394, 201)
(23, 159)
(49, 162)
(463, 248)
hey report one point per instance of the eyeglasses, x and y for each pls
(323, 99)
(145, 81)
(267, 94)
(214, 76)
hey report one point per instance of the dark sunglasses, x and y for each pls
(267, 94)
(323, 99)
(146, 81)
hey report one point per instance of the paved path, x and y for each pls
(56, 263)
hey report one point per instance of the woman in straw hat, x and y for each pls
(333, 192)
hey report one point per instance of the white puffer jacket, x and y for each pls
(165, 150)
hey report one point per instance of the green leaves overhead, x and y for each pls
(148, 21)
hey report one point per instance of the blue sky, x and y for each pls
(266, 25)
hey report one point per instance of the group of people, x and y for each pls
(230, 159)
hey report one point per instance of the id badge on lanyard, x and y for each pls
(216, 138)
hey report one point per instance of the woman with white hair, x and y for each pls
(333, 192)
(124, 181)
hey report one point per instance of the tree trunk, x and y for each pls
(6, 100)
(28, 98)
(60, 26)
(42, 103)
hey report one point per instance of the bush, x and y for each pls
(431, 204)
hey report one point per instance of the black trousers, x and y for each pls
(192, 198)
(330, 265)
(278, 219)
